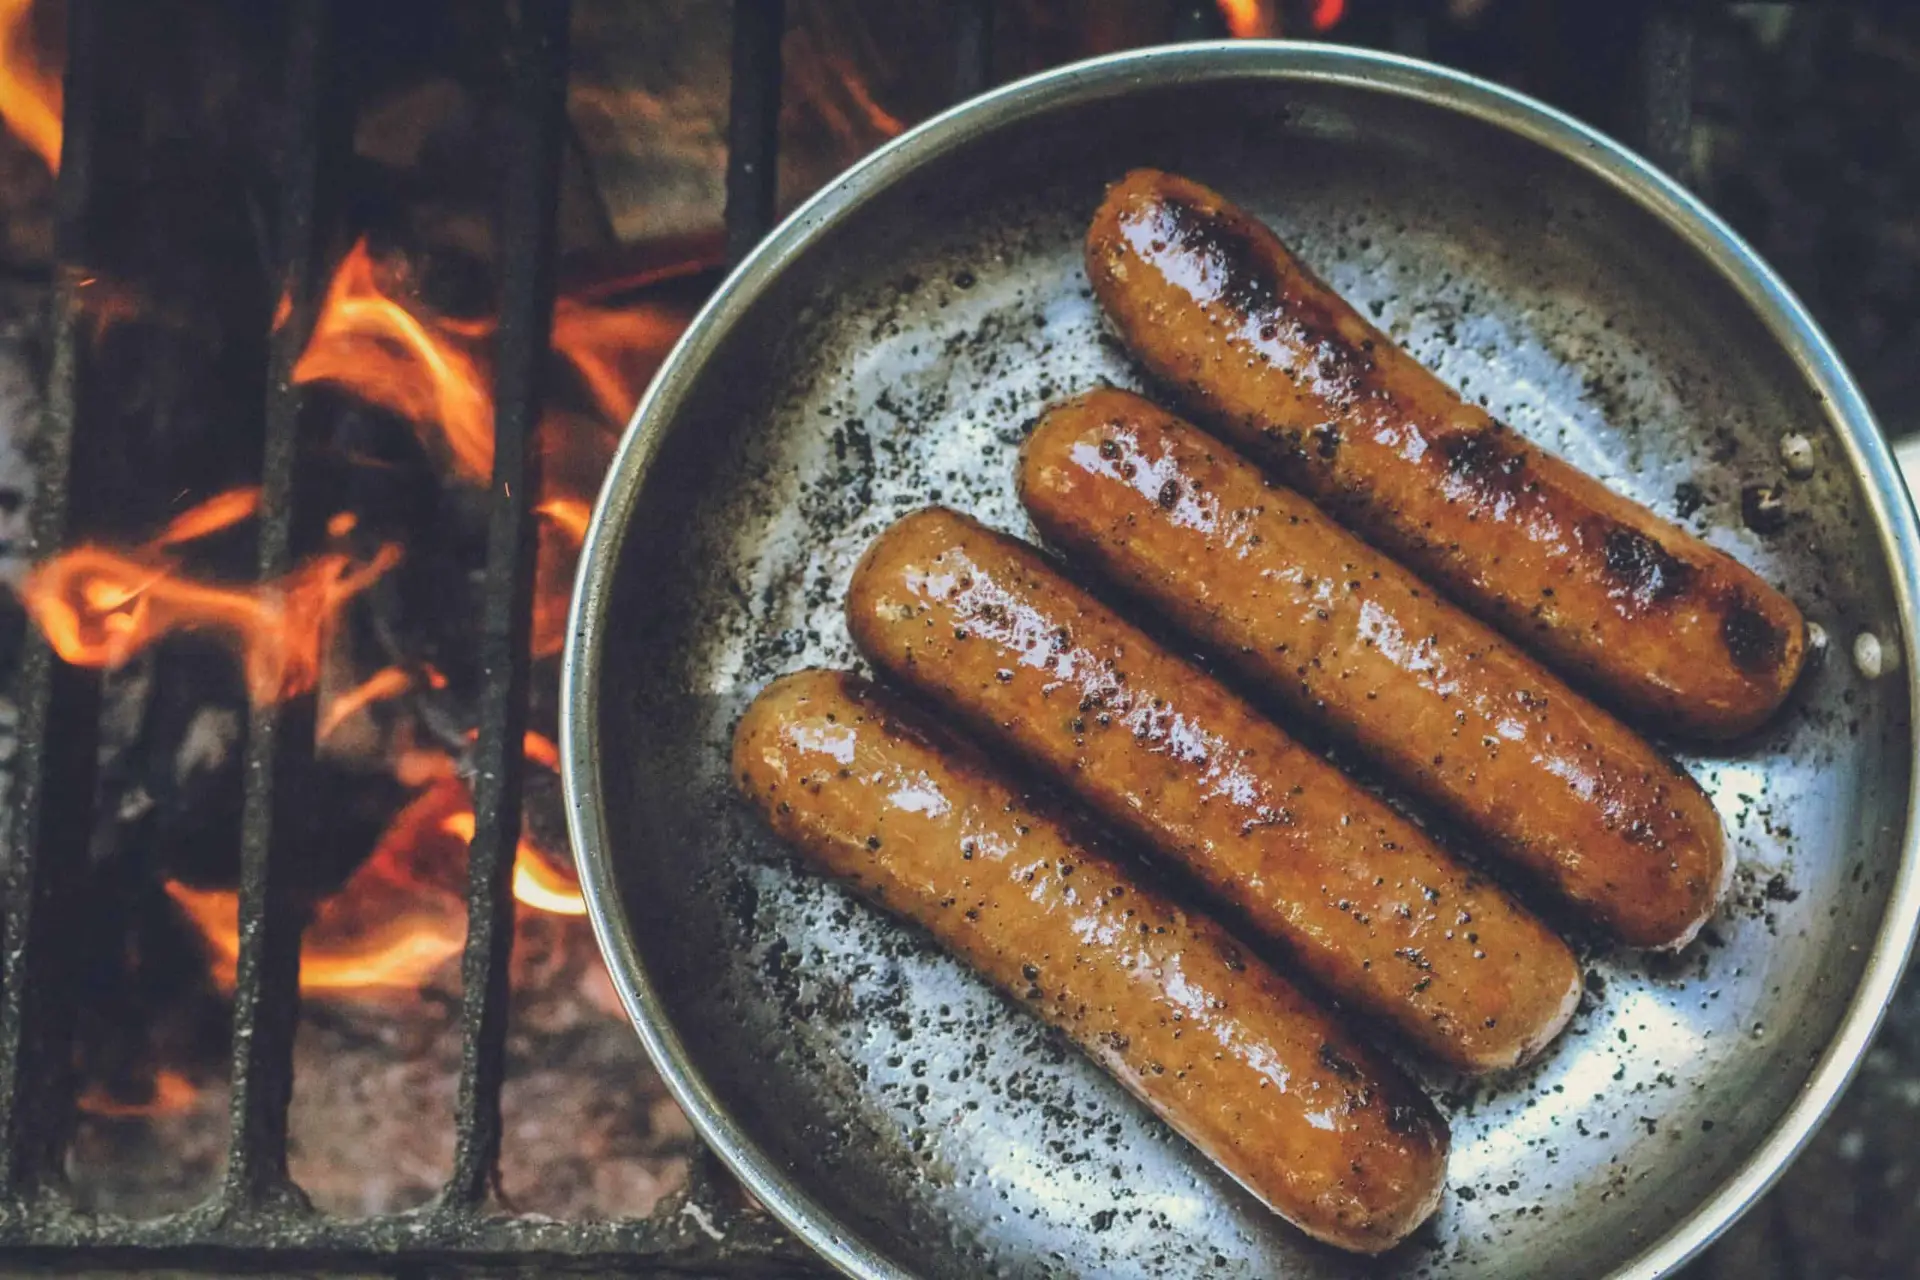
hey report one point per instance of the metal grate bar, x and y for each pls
(972, 48)
(1410, 29)
(753, 123)
(266, 1001)
(59, 704)
(1666, 69)
(408, 1244)
(535, 141)
(1189, 21)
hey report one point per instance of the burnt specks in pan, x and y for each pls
(1763, 508)
(1642, 570)
(1687, 499)
(1754, 642)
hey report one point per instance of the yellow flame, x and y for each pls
(30, 94)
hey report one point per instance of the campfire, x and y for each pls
(375, 622)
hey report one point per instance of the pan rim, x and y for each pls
(1798, 338)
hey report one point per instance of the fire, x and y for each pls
(400, 919)
(1326, 14)
(536, 881)
(368, 343)
(396, 921)
(220, 512)
(388, 682)
(30, 94)
(614, 351)
(402, 916)
(426, 369)
(99, 607)
(1251, 19)
(569, 515)
(394, 940)
(541, 750)
(172, 1094)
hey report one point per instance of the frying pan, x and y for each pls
(887, 346)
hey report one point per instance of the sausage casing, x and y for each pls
(1255, 1074)
(1345, 636)
(1263, 352)
(1361, 897)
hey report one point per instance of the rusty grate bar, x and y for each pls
(436, 1246)
(1190, 21)
(753, 123)
(535, 139)
(59, 705)
(266, 1001)
(1666, 104)
(972, 48)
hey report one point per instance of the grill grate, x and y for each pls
(279, 735)
(257, 1218)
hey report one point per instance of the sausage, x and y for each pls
(1361, 898)
(1261, 351)
(1256, 1075)
(1344, 636)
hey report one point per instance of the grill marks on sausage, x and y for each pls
(1242, 277)
(1222, 261)
(1641, 569)
(1491, 466)
(1753, 641)
(1225, 262)
(1259, 350)
(1487, 461)
(1333, 1060)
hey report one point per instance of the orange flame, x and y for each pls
(99, 607)
(30, 94)
(388, 682)
(371, 345)
(401, 917)
(570, 515)
(541, 750)
(392, 925)
(172, 1094)
(426, 370)
(615, 351)
(222, 511)
(398, 953)
(538, 884)
(536, 881)
(1249, 19)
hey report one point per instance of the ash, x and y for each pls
(589, 1131)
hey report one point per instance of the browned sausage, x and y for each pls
(1347, 637)
(1360, 896)
(1252, 1072)
(1262, 351)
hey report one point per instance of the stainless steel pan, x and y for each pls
(887, 346)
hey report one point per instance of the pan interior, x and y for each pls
(898, 360)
